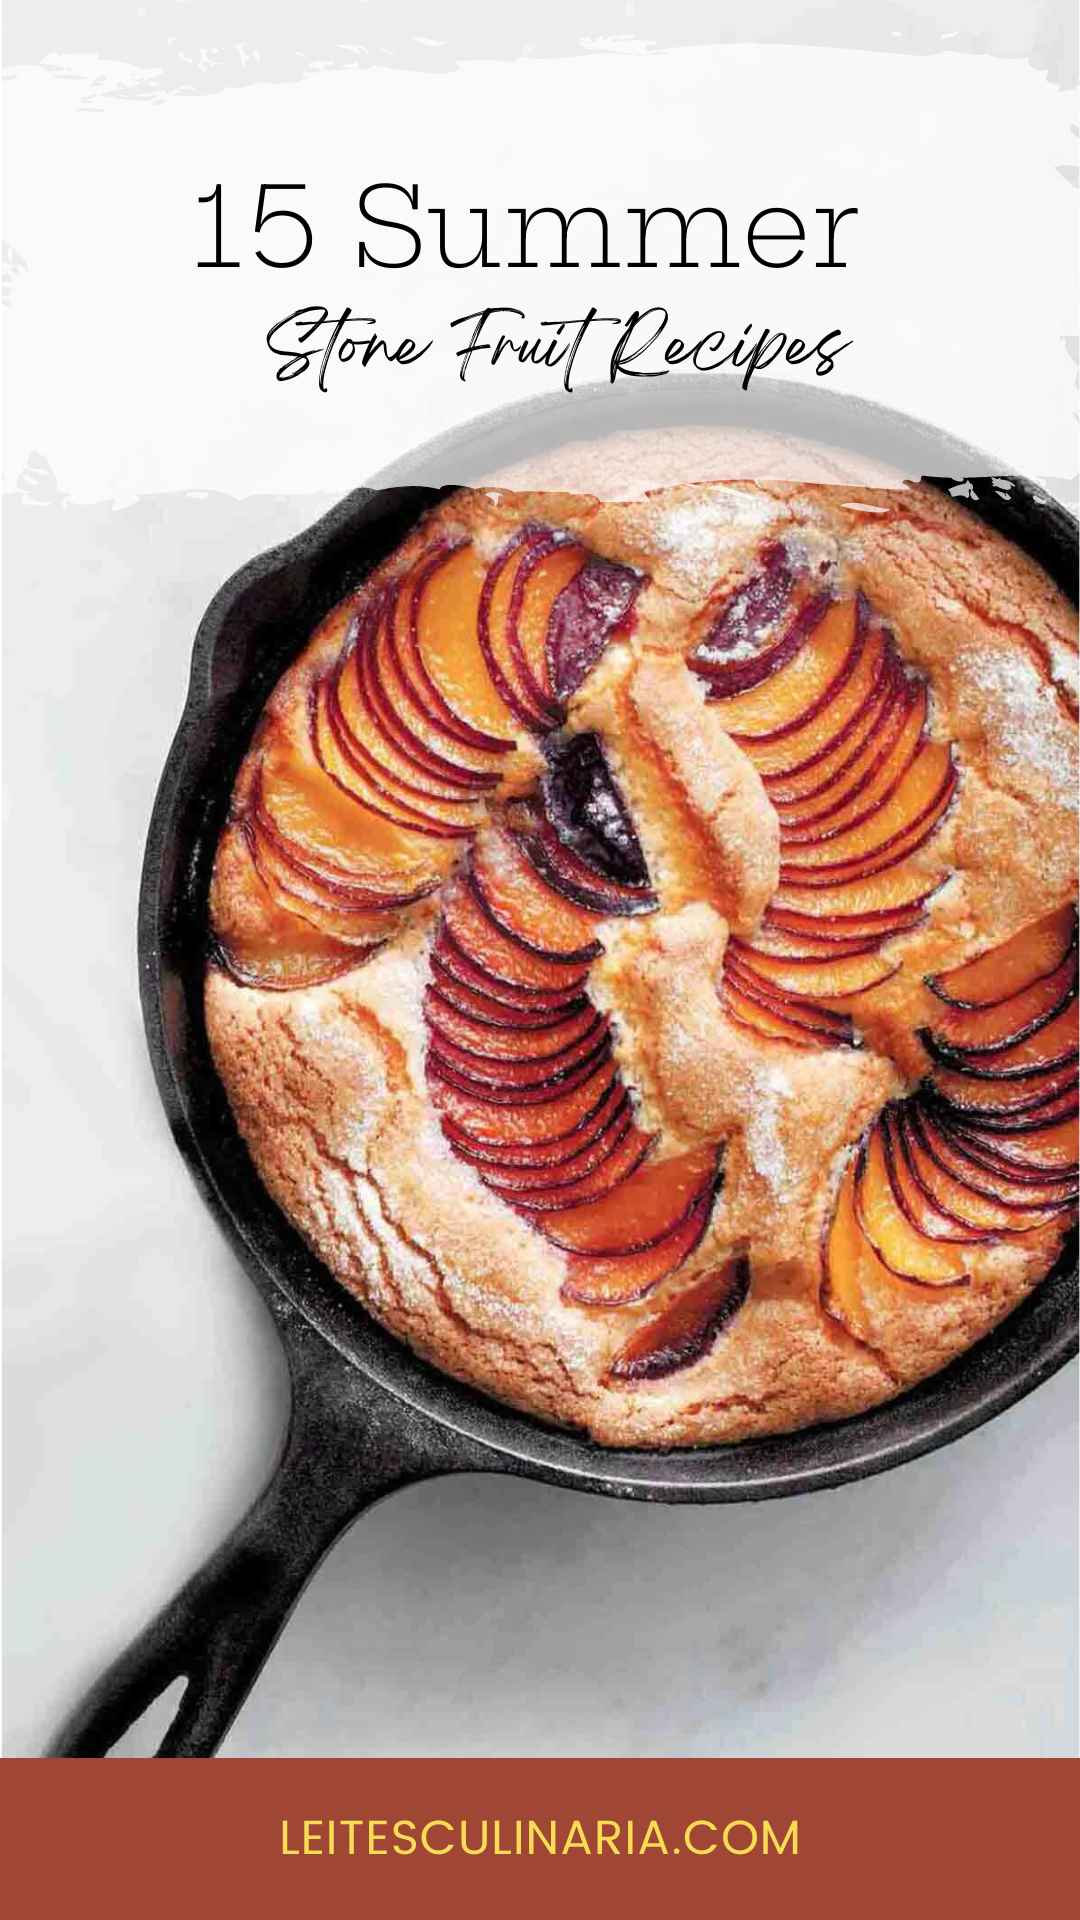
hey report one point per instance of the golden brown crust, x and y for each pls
(328, 1082)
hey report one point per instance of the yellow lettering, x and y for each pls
(575, 1841)
(313, 1836)
(607, 1835)
(285, 1847)
(405, 1836)
(773, 1845)
(731, 1845)
(652, 1840)
(709, 1826)
(428, 1827)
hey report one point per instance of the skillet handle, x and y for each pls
(348, 1444)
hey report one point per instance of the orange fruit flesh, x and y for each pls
(362, 720)
(613, 1169)
(959, 1202)
(339, 832)
(832, 730)
(522, 901)
(596, 1280)
(916, 791)
(497, 631)
(545, 581)
(859, 900)
(823, 979)
(496, 952)
(683, 1331)
(806, 764)
(391, 646)
(556, 1120)
(777, 703)
(872, 786)
(508, 1042)
(1054, 1190)
(644, 1209)
(853, 1273)
(438, 817)
(1035, 951)
(771, 1024)
(901, 1247)
(981, 1027)
(447, 629)
(889, 852)
(353, 924)
(263, 943)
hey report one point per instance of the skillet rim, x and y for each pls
(1010, 1362)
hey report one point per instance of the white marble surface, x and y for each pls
(932, 1611)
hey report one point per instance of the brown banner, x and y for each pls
(763, 1837)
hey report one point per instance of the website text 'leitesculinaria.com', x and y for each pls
(524, 1837)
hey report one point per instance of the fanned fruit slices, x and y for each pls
(520, 1062)
(986, 1147)
(367, 787)
(814, 691)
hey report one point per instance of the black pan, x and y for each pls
(367, 1415)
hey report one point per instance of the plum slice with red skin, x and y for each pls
(592, 609)
(453, 963)
(948, 1184)
(979, 1032)
(517, 1124)
(788, 786)
(1025, 1191)
(896, 1240)
(752, 610)
(361, 709)
(1037, 950)
(517, 1069)
(333, 754)
(775, 999)
(401, 713)
(625, 1154)
(509, 1038)
(524, 907)
(685, 1329)
(643, 1212)
(503, 1081)
(493, 632)
(975, 1100)
(852, 806)
(413, 800)
(539, 546)
(803, 977)
(776, 1022)
(980, 1151)
(563, 871)
(615, 1280)
(435, 702)
(583, 805)
(889, 853)
(500, 1012)
(504, 959)
(595, 1126)
(1046, 1049)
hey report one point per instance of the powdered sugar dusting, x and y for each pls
(694, 530)
(770, 1088)
(1022, 716)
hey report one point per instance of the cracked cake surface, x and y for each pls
(644, 952)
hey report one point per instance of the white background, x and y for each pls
(928, 1612)
(137, 372)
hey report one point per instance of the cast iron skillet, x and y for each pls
(367, 1415)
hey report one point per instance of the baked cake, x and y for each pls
(644, 948)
